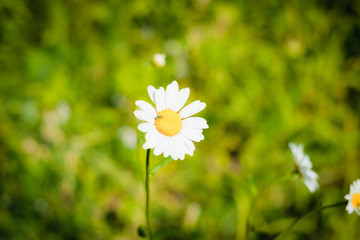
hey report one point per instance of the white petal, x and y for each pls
(160, 99)
(146, 127)
(306, 162)
(357, 186)
(151, 134)
(357, 211)
(350, 208)
(180, 147)
(162, 146)
(188, 146)
(146, 107)
(195, 122)
(182, 150)
(151, 140)
(352, 189)
(311, 185)
(188, 143)
(347, 197)
(291, 146)
(167, 147)
(158, 147)
(190, 153)
(144, 116)
(173, 154)
(297, 151)
(191, 131)
(181, 99)
(192, 134)
(151, 91)
(192, 109)
(172, 147)
(157, 150)
(171, 94)
(149, 144)
(311, 174)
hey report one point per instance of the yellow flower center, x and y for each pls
(355, 200)
(168, 122)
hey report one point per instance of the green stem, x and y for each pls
(147, 193)
(283, 178)
(308, 214)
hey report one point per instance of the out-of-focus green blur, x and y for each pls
(71, 158)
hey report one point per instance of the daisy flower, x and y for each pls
(169, 127)
(303, 166)
(159, 59)
(354, 198)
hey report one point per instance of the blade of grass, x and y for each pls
(158, 166)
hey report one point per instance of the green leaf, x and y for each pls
(143, 231)
(158, 166)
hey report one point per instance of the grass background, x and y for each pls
(270, 72)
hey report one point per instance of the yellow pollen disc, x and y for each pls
(168, 122)
(355, 200)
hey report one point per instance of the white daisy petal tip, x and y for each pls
(146, 146)
(144, 116)
(169, 131)
(175, 85)
(195, 122)
(171, 94)
(192, 109)
(151, 91)
(304, 167)
(145, 127)
(146, 107)
(353, 198)
(181, 99)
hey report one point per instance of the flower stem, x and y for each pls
(253, 202)
(318, 209)
(147, 193)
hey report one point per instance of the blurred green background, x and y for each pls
(270, 72)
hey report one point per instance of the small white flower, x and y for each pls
(128, 136)
(354, 198)
(159, 59)
(168, 129)
(63, 112)
(303, 166)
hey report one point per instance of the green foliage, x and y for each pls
(143, 231)
(270, 72)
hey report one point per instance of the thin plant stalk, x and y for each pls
(147, 193)
(279, 180)
(308, 214)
